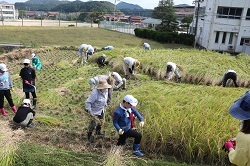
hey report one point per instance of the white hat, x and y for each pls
(104, 55)
(3, 67)
(26, 101)
(26, 61)
(130, 99)
(33, 55)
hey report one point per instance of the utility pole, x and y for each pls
(196, 21)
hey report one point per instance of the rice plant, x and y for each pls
(9, 140)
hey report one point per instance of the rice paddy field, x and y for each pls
(185, 123)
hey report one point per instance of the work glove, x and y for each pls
(121, 132)
(26, 82)
(12, 89)
(228, 145)
(141, 124)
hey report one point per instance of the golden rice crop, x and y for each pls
(191, 122)
(9, 140)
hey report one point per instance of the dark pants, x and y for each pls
(129, 133)
(7, 95)
(230, 75)
(27, 95)
(93, 124)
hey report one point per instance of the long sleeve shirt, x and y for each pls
(173, 71)
(90, 49)
(96, 102)
(82, 48)
(241, 155)
(29, 74)
(118, 79)
(129, 62)
(5, 81)
(228, 71)
(121, 118)
(146, 46)
(22, 113)
(36, 63)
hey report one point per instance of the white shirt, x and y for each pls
(146, 45)
(117, 77)
(82, 48)
(90, 49)
(129, 61)
(173, 65)
(230, 71)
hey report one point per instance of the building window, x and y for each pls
(231, 38)
(248, 14)
(224, 37)
(217, 37)
(231, 13)
(244, 41)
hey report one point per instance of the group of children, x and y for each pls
(24, 114)
(102, 87)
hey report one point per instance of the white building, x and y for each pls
(8, 12)
(223, 25)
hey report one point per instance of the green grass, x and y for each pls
(189, 122)
(68, 36)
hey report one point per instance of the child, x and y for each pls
(5, 86)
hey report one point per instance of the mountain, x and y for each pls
(44, 5)
(66, 6)
(181, 5)
(124, 5)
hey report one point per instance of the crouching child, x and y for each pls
(24, 115)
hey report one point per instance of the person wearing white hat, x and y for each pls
(84, 51)
(28, 76)
(95, 106)
(122, 121)
(239, 147)
(101, 61)
(24, 115)
(36, 63)
(81, 53)
(146, 46)
(130, 64)
(6, 86)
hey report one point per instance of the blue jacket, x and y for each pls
(121, 121)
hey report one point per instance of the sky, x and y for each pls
(146, 4)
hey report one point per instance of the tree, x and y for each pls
(185, 22)
(165, 11)
(21, 14)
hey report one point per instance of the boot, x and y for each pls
(3, 112)
(34, 103)
(14, 109)
(98, 130)
(89, 136)
(136, 150)
(30, 125)
(179, 80)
